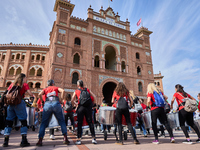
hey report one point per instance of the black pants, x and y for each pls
(87, 112)
(159, 113)
(125, 112)
(185, 116)
(71, 117)
(51, 131)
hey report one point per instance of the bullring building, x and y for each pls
(100, 50)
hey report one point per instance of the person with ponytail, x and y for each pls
(18, 110)
(184, 116)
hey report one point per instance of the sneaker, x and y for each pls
(78, 142)
(102, 131)
(119, 143)
(172, 140)
(145, 135)
(94, 141)
(187, 142)
(155, 142)
(136, 141)
(52, 137)
(198, 141)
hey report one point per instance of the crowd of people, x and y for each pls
(83, 103)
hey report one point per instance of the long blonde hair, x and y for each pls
(151, 88)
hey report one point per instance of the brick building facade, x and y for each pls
(101, 51)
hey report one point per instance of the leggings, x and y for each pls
(185, 116)
(125, 112)
(87, 112)
(159, 113)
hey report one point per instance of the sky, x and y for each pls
(175, 41)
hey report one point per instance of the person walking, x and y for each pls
(51, 105)
(18, 110)
(184, 116)
(120, 97)
(68, 110)
(156, 99)
(84, 109)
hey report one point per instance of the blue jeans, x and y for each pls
(52, 107)
(16, 111)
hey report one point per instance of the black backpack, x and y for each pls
(122, 103)
(85, 99)
(68, 106)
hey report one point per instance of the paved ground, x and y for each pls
(109, 144)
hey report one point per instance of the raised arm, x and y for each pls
(94, 96)
(172, 102)
(62, 91)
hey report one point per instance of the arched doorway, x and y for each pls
(108, 89)
(110, 58)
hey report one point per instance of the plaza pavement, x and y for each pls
(109, 144)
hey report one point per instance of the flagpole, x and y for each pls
(108, 3)
(142, 21)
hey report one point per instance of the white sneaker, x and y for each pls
(52, 137)
(94, 141)
(78, 142)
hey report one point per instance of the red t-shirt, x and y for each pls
(116, 98)
(179, 97)
(78, 92)
(143, 106)
(199, 106)
(51, 91)
(23, 90)
(152, 100)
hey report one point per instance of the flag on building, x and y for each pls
(138, 23)
(111, 0)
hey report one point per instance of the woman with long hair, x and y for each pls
(122, 92)
(184, 116)
(157, 112)
(18, 110)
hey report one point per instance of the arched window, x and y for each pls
(140, 87)
(18, 56)
(39, 72)
(38, 57)
(138, 70)
(76, 59)
(32, 57)
(74, 78)
(123, 66)
(155, 83)
(96, 61)
(19, 70)
(8, 84)
(37, 85)
(77, 41)
(30, 84)
(23, 57)
(3, 57)
(43, 58)
(158, 83)
(32, 72)
(13, 57)
(137, 56)
(11, 71)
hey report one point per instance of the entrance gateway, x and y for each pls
(108, 90)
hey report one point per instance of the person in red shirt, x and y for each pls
(122, 93)
(18, 111)
(157, 112)
(52, 106)
(84, 109)
(184, 116)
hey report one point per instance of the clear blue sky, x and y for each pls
(175, 41)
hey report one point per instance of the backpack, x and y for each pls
(85, 99)
(68, 106)
(122, 103)
(190, 105)
(159, 100)
(13, 96)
